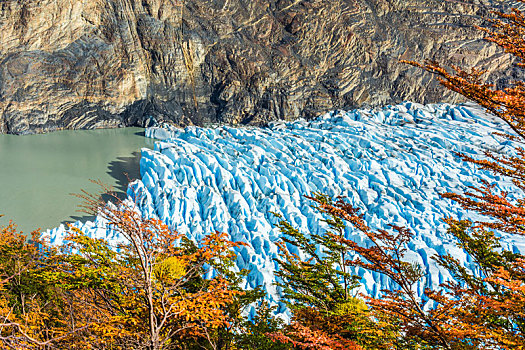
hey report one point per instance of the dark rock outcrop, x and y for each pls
(67, 64)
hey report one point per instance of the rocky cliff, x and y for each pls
(67, 64)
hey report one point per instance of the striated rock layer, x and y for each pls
(68, 64)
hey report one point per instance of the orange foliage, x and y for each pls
(149, 292)
(311, 330)
(156, 275)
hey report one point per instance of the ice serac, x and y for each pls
(392, 162)
(71, 64)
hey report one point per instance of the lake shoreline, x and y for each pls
(40, 171)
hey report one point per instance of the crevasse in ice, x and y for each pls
(392, 162)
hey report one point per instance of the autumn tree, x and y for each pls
(151, 284)
(147, 291)
(322, 279)
(493, 299)
(430, 321)
(318, 287)
(33, 311)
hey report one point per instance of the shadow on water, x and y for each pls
(123, 170)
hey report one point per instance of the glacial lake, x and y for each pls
(38, 173)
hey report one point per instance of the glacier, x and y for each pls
(392, 162)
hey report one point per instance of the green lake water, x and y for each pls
(38, 173)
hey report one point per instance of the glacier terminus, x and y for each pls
(391, 162)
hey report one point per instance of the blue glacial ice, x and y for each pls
(392, 162)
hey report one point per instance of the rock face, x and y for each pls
(68, 64)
